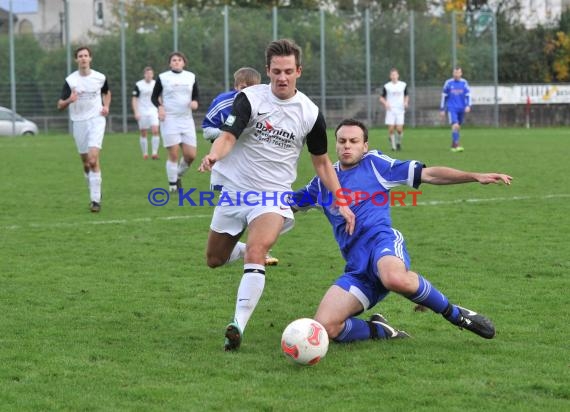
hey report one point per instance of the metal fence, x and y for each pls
(347, 59)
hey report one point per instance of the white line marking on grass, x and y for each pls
(209, 216)
(490, 199)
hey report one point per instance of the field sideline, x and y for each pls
(118, 311)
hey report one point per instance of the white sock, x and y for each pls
(393, 141)
(182, 167)
(400, 137)
(144, 145)
(155, 143)
(171, 172)
(237, 253)
(249, 292)
(95, 186)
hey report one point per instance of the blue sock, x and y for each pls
(455, 138)
(428, 296)
(358, 329)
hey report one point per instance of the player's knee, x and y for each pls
(214, 261)
(397, 281)
(332, 327)
(91, 162)
(256, 252)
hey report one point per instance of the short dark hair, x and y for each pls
(82, 48)
(148, 69)
(178, 54)
(283, 47)
(393, 69)
(352, 122)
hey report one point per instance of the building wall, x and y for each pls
(83, 18)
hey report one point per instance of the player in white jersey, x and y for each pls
(395, 100)
(88, 97)
(176, 95)
(145, 112)
(257, 153)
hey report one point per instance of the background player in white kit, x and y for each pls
(88, 97)
(258, 151)
(176, 95)
(395, 100)
(145, 112)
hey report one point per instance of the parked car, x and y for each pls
(23, 126)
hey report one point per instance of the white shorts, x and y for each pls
(148, 121)
(233, 219)
(89, 133)
(176, 130)
(394, 118)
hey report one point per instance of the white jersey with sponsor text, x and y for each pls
(88, 88)
(266, 154)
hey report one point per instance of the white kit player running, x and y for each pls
(176, 96)
(395, 100)
(145, 112)
(88, 97)
(258, 152)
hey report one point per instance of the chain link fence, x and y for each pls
(347, 59)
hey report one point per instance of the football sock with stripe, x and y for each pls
(249, 292)
(359, 329)
(427, 295)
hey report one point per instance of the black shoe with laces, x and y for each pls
(475, 323)
(391, 332)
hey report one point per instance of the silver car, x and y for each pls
(22, 126)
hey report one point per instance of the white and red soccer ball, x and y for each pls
(305, 341)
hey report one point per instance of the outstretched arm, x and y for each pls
(327, 174)
(220, 149)
(440, 175)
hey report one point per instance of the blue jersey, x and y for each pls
(374, 176)
(219, 109)
(456, 95)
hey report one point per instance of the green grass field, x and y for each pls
(118, 311)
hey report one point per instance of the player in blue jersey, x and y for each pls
(377, 261)
(221, 106)
(456, 99)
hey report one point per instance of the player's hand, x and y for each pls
(104, 111)
(487, 178)
(207, 163)
(349, 217)
(442, 115)
(467, 109)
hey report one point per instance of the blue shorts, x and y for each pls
(456, 116)
(362, 278)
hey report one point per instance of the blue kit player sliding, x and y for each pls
(377, 261)
(456, 98)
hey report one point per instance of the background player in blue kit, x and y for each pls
(221, 106)
(456, 98)
(377, 261)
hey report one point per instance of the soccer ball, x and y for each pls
(305, 341)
